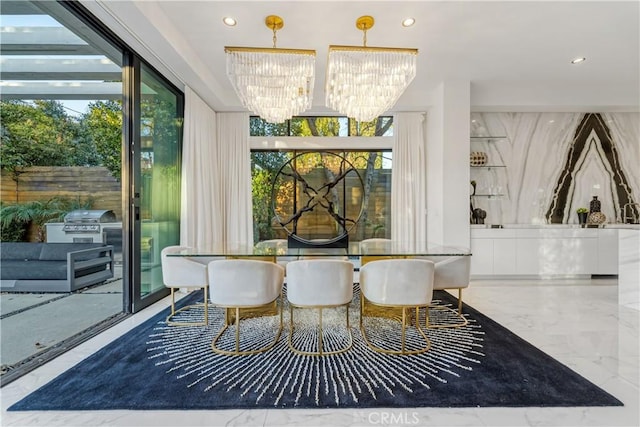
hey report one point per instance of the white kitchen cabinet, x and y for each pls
(543, 251)
(482, 258)
(504, 256)
(608, 251)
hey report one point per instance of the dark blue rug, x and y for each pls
(156, 366)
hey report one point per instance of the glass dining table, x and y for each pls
(279, 251)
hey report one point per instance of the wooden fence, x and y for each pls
(44, 182)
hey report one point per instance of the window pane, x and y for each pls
(160, 136)
(382, 126)
(319, 126)
(325, 126)
(283, 195)
(259, 127)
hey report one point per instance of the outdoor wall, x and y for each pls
(44, 182)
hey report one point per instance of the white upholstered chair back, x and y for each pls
(375, 244)
(181, 272)
(244, 283)
(398, 281)
(451, 272)
(324, 281)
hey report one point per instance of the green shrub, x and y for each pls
(38, 213)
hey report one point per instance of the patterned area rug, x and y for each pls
(156, 366)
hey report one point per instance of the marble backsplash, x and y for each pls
(546, 165)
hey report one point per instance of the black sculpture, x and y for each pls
(325, 199)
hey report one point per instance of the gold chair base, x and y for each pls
(463, 320)
(403, 351)
(270, 309)
(320, 351)
(205, 304)
(237, 317)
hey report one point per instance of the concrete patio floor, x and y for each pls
(32, 323)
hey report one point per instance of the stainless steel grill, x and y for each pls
(84, 226)
(87, 221)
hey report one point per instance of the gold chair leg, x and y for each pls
(237, 330)
(404, 329)
(205, 321)
(320, 351)
(403, 350)
(206, 306)
(463, 320)
(237, 351)
(320, 333)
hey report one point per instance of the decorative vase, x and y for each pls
(582, 218)
(595, 205)
(478, 158)
(596, 218)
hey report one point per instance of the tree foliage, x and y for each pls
(102, 126)
(40, 134)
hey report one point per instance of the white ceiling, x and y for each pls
(515, 55)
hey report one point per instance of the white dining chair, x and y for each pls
(279, 248)
(181, 272)
(244, 284)
(319, 284)
(373, 250)
(451, 272)
(396, 285)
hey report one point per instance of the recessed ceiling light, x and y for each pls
(407, 22)
(578, 60)
(229, 21)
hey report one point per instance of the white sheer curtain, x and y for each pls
(199, 223)
(234, 178)
(409, 180)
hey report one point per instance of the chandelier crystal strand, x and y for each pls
(275, 86)
(274, 83)
(363, 83)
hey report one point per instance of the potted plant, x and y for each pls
(582, 215)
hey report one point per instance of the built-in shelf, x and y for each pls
(487, 138)
(496, 180)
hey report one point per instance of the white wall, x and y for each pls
(448, 180)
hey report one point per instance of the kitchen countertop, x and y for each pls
(608, 226)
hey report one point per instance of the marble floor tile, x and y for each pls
(576, 321)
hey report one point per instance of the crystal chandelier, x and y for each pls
(363, 82)
(274, 83)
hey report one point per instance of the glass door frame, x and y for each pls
(132, 245)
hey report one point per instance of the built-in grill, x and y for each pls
(86, 221)
(84, 226)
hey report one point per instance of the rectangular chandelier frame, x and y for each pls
(230, 49)
(373, 49)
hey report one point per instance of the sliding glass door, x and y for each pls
(156, 159)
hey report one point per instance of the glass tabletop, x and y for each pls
(280, 248)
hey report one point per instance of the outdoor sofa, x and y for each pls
(53, 267)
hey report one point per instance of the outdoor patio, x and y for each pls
(39, 325)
